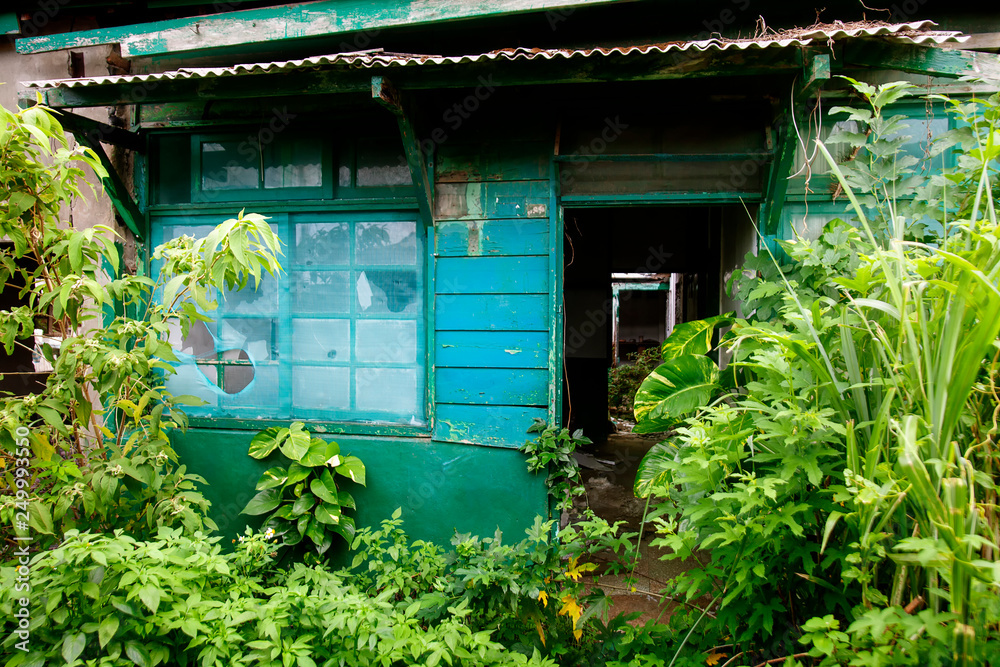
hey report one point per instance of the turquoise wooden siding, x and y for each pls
(492, 349)
(493, 279)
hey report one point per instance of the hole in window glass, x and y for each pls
(382, 292)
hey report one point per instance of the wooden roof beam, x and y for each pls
(387, 95)
(929, 61)
(289, 22)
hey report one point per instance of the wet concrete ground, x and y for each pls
(608, 472)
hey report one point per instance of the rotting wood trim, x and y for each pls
(948, 63)
(289, 22)
(777, 177)
(815, 73)
(98, 131)
(115, 187)
(386, 94)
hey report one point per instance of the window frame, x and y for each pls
(283, 219)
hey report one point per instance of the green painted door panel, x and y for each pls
(440, 486)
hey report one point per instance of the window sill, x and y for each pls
(315, 427)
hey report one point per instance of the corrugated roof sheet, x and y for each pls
(916, 32)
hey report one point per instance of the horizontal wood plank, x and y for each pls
(500, 199)
(492, 275)
(492, 386)
(519, 236)
(492, 425)
(508, 161)
(491, 312)
(492, 349)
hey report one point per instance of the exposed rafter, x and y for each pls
(948, 63)
(386, 94)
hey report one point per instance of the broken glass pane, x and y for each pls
(388, 291)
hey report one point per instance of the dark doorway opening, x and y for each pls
(629, 275)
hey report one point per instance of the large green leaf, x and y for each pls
(345, 528)
(673, 390)
(263, 502)
(694, 337)
(319, 452)
(272, 477)
(351, 466)
(654, 470)
(296, 444)
(73, 646)
(325, 488)
(328, 514)
(264, 443)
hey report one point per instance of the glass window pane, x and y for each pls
(261, 300)
(229, 165)
(386, 341)
(321, 387)
(189, 381)
(387, 291)
(392, 390)
(294, 163)
(322, 243)
(320, 292)
(256, 336)
(386, 242)
(262, 394)
(321, 340)
(382, 163)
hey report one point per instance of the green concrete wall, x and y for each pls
(441, 487)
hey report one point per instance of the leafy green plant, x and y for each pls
(98, 431)
(180, 600)
(552, 453)
(855, 468)
(301, 499)
(625, 378)
(686, 380)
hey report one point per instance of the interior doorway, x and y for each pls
(630, 274)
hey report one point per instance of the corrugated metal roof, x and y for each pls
(916, 32)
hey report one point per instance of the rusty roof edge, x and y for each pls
(914, 32)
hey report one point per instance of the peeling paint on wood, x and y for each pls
(286, 22)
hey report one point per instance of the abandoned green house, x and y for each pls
(483, 204)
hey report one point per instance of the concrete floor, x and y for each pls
(608, 472)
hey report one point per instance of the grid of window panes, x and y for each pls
(339, 336)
